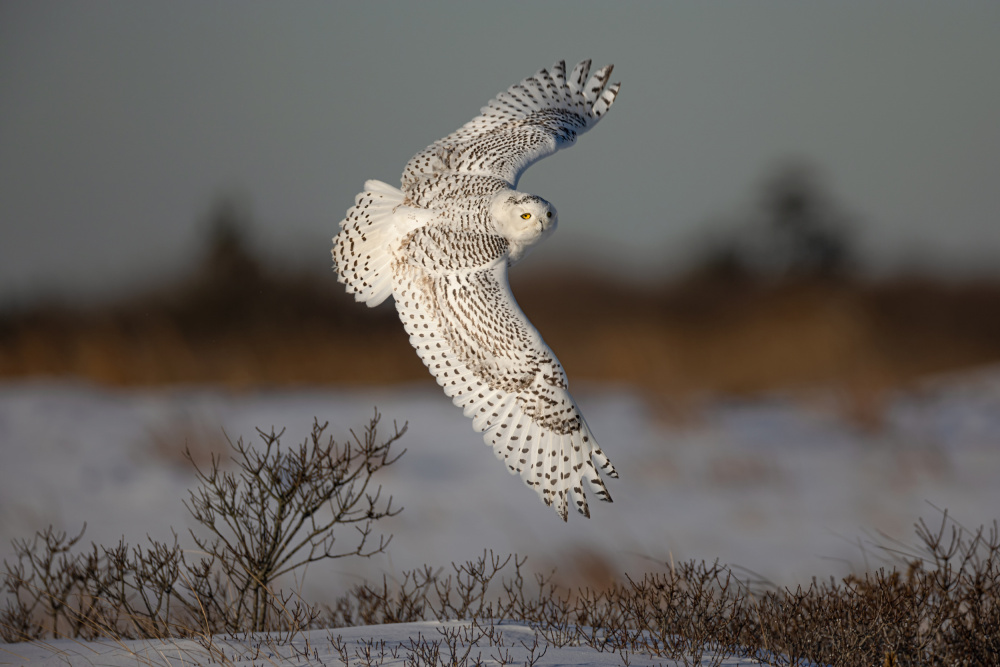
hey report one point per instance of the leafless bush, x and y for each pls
(277, 510)
(421, 594)
(276, 513)
(690, 610)
(941, 606)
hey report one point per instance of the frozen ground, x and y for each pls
(782, 487)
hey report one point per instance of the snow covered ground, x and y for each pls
(387, 645)
(783, 487)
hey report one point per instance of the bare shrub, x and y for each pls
(277, 512)
(941, 606)
(687, 611)
(423, 593)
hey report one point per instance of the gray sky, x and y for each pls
(121, 122)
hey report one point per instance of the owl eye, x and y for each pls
(526, 216)
(549, 214)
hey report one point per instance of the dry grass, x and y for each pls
(700, 335)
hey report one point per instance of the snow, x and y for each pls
(782, 487)
(390, 645)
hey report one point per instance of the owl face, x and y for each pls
(524, 219)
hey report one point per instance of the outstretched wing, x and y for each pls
(453, 297)
(528, 121)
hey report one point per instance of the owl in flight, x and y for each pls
(441, 246)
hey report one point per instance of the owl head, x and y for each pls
(523, 220)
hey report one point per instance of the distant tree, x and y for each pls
(796, 231)
(228, 257)
(809, 235)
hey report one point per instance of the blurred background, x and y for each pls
(786, 198)
(783, 195)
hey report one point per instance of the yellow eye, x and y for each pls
(526, 216)
(549, 214)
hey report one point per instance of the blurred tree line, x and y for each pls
(776, 302)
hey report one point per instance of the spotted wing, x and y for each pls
(525, 123)
(455, 302)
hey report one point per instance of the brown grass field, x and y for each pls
(240, 324)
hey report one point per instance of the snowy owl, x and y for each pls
(441, 247)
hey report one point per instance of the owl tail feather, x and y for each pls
(363, 249)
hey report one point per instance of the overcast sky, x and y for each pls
(121, 122)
